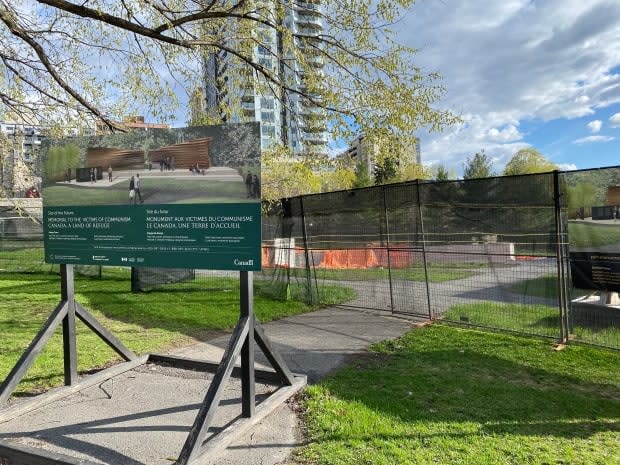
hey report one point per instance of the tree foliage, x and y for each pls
(337, 176)
(589, 188)
(284, 175)
(58, 159)
(582, 194)
(441, 173)
(528, 161)
(386, 170)
(71, 62)
(412, 171)
(479, 166)
(362, 176)
(6, 151)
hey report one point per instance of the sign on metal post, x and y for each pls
(173, 198)
(179, 198)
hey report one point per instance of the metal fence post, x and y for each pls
(307, 257)
(387, 236)
(428, 288)
(560, 257)
(565, 260)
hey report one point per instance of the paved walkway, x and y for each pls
(314, 344)
(216, 173)
(143, 416)
(493, 283)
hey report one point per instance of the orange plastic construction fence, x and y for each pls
(346, 259)
(265, 257)
(397, 258)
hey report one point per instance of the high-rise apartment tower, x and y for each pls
(238, 94)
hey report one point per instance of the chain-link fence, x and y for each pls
(592, 221)
(480, 252)
(497, 252)
(536, 254)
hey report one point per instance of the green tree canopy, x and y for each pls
(386, 170)
(78, 61)
(582, 194)
(479, 166)
(412, 171)
(441, 173)
(284, 175)
(528, 161)
(362, 177)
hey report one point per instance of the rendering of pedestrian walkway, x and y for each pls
(214, 173)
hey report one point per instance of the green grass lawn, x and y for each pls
(444, 395)
(145, 322)
(436, 273)
(592, 234)
(540, 320)
(545, 286)
(23, 257)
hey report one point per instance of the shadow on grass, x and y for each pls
(452, 386)
(189, 308)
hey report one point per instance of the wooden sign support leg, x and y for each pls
(248, 389)
(67, 292)
(196, 437)
(65, 312)
(35, 347)
(247, 334)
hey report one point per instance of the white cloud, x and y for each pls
(563, 71)
(509, 133)
(453, 147)
(516, 61)
(595, 126)
(567, 166)
(614, 120)
(591, 139)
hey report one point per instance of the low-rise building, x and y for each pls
(363, 150)
(20, 145)
(131, 123)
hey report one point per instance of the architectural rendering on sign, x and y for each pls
(184, 198)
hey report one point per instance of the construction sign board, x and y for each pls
(175, 198)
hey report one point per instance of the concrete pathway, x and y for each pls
(493, 283)
(314, 344)
(144, 415)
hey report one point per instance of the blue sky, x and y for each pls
(522, 73)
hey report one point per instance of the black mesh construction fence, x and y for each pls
(497, 252)
(592, 218)
(481, 252)
(534, 254)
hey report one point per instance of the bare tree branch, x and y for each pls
(30, 83)
(18, 32)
